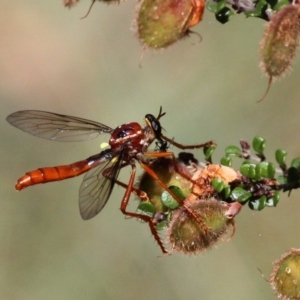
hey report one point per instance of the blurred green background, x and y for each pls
(51, 60)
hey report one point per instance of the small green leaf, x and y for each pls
(233, 151)
(258, 171)
(218, 184)
(258, 204)
(146, 208)
(212, 6)
(208, 151)
(226, 161)
(226, 191)
(271, 170)
(248, 170)
(267, 169)
(245, 162)
(296, 163)
(282, 179)
(168, 200)
(224, 15)
(280, 4)
(162, 225)
(240, 195)
(259, 144)
(280, 156)
(259, 10)
(272, 202)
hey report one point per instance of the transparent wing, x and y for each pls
(97, 186)
(56, 127)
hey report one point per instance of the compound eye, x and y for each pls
(122, 134)
(156, 126)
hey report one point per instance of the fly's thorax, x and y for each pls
(131, 135)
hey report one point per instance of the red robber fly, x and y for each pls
(128, 144)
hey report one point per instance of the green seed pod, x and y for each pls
(280, 42)
(285, 276)
(187, 236)
(163, 22)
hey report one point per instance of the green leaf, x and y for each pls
(272, 202)
(233, 151)
(146, 208)
(212, 6)
(240, 195)
(267, 169)
(258, 171)
(248, 170)
(280, 4)
(226, 161)
(296, 163)
(258, 204)
(280, 156)
(259, 10)
(208, 151)
(224, 15)
(227, 191)
(282, 179)
(162, 225)
(218, 184)
(259, 144)
(271, 170)
(168, 200)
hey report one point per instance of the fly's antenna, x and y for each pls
(160, 114)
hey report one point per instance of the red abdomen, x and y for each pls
(44, 175)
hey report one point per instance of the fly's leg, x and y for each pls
(130, 189)
(184, 147)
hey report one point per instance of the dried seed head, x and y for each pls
(187, 236)
(163, 22)
(285, 276)
(280, 42)
(204, 176)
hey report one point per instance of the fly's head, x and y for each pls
(153, 130)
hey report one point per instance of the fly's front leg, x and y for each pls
(184, 147)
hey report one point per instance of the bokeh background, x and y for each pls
(51, 60)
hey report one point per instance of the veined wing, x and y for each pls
(56, 127)
(97, 186)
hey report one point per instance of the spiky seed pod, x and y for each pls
(187, 236)
(280, 42)
(285, 276)
(161, 23)
(164, 168)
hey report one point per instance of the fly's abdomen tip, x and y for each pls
(18, 186)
